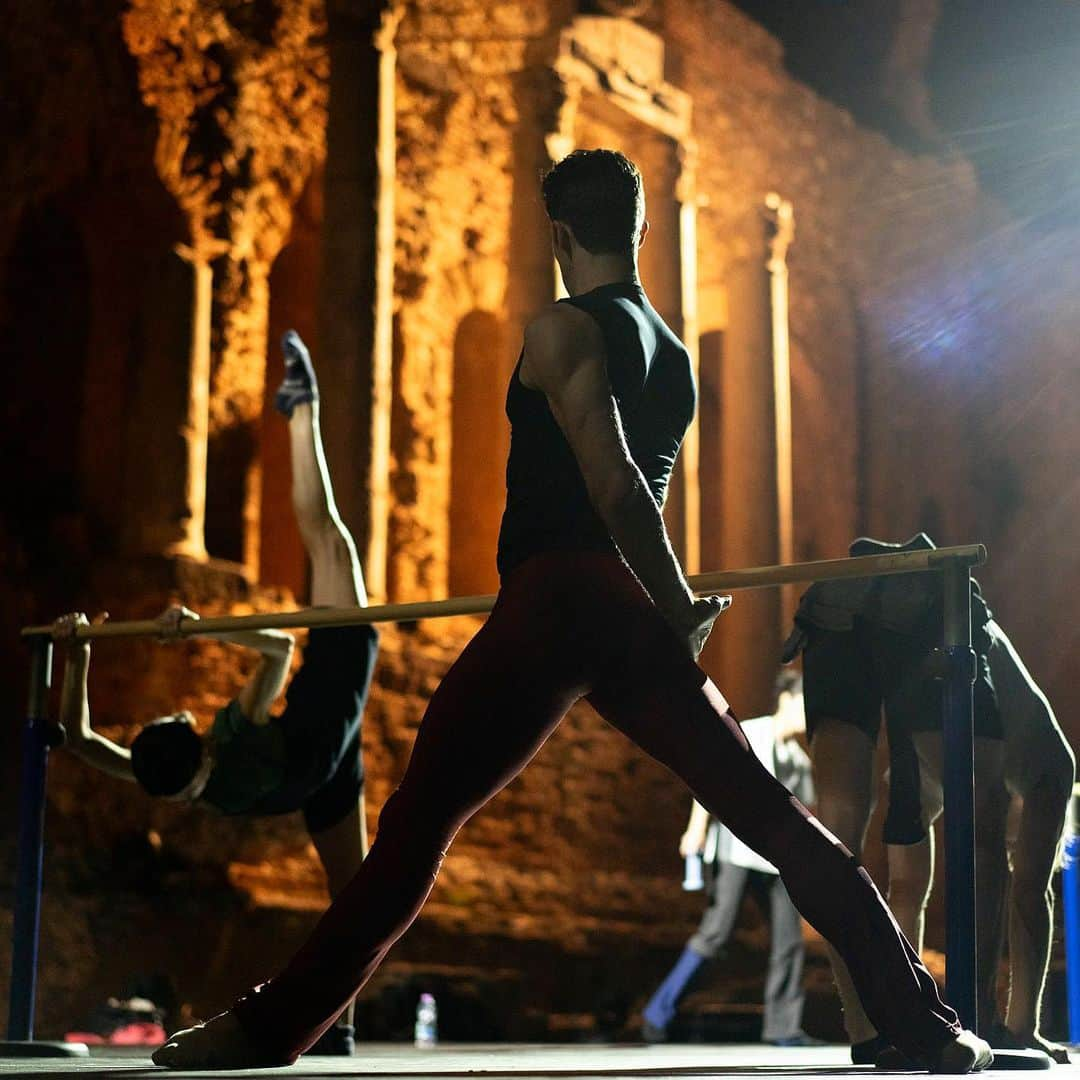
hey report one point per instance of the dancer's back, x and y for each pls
(547, 504)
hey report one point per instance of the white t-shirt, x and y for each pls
(789, 764)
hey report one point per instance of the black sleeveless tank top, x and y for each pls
(547, 504)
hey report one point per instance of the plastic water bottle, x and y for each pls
(693, 879)
(426, 1032)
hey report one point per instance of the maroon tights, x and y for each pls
(568, 626)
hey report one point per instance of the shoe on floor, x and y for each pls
(867, 1051)
(650, 1033)
(966, 1053)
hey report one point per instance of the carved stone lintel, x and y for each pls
(625, 63)
(626, 8)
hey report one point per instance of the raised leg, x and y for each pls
(336, 577)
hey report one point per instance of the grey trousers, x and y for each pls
(783, 980)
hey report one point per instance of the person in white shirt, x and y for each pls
(732, 868)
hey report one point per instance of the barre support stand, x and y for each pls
(37, 737)
(958, 742)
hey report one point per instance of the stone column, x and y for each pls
(241, 112)
(166, 437)
(356, 296)
(749, 497)
(780, 220)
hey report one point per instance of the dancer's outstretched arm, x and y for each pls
(275, 649)
(82, 740)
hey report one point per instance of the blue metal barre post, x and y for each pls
(1070, 895)
(961, 973)
(958, 744)
(37, 737)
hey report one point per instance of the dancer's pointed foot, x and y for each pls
(1003, 1038)
(220, 1043)
(966, 1053)
(300, 385)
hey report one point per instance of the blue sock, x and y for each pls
(662, 1006)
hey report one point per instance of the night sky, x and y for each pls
(1004, 80)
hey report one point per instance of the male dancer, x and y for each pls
(251, 763)
(598, 405)
(732, 868)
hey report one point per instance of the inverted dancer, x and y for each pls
(593, 604)
(869, 643)
(1039, 769)
(251, 763)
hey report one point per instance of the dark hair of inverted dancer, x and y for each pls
(599, 194)
(165, 755)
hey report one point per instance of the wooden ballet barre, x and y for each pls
(760, 577)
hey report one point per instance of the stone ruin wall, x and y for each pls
(566, 862)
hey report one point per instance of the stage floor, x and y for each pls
(496, 1061)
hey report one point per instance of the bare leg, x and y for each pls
(336, 581)
(911, 866)
(341, 849)
(1040, 768)
(911, 876)
(336, 578)
(843, 758)
(1031, 913)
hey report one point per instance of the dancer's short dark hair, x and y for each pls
(165, 756)
(599, 194)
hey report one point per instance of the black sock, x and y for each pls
(300, 385)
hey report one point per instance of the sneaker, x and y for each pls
(651, 1033)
